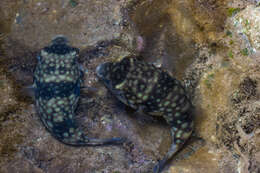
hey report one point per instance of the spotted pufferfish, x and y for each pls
(153, 91)
(57, 81)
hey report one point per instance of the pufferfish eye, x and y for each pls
(39, 57)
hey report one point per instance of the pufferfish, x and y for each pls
(57, 81)
(153, 91)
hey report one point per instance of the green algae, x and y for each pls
(232, 11)
(73, 3)
(229, 33)
(245, 52)
(208, 81)
(230, 54)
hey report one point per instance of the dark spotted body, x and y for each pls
(57, 81)
(152, 90)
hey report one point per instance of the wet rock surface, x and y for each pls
(212, 46)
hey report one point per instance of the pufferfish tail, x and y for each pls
(68, 133)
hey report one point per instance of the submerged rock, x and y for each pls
(246, 25)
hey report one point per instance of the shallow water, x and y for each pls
(187, 38)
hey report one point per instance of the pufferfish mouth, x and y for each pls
(100, 70)
(103, 73)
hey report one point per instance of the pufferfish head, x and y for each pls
(59, 45)
(57, 62)
(103, 73)
(113, 73)
(57, 49)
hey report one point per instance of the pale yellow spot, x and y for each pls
(49, 124)
(67, 108)
(58, 119)
(139, 95)
(69, 78)
(54, 105)
(50, 102)
(166, 103)
(49, 110)
(169, 110)
(44, 53)
(68, 66)
(119, 86)
(178, 141)
(47, 79)
(148, 89)
(173, 104)
(169, 96)
(60, 102)
(145, 97)
(174, 129)
(179, 133)
(71, 130)
(184, 125)
(185, 135)
(57, 109)
(65, 134)
(162, 109)
(134, 90)
(177, 114)
(71, 96)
